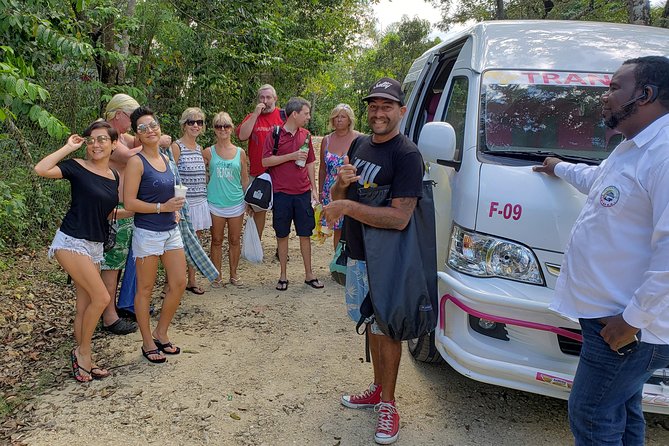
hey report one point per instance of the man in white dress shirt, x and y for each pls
(615, 273)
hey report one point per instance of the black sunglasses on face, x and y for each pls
(224, 126)
(191, 122)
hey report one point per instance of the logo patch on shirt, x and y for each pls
(609, 197)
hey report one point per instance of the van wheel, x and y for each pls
(423, 349)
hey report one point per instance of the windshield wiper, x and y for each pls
(539, 155)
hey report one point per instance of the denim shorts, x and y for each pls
(94, 250)
(289, 208)
(147, 243)
(357, 286)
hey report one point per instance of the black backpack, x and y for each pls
(259, 195)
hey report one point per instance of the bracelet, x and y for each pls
(157, 208)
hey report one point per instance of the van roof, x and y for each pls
(555, 45)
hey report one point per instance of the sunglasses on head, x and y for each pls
(192, 122)
(222, 126)
(143, 128)
(90, 140)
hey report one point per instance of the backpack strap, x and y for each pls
(282, 114)
(275, 135)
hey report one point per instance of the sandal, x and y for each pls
(98, 373)
(314, 283)
(236, 282)
(195, 289)
(217, 283)
(156, 352)
(282, 285)
(169, 345)
(77, 369)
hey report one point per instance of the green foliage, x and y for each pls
(461, 11)
(348, 79)
(13, 214)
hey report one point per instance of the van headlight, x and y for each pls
(485, 256)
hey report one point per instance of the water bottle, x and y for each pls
(304, 148)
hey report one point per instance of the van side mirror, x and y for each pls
(437, 144)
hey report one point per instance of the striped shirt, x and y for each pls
(193, 173)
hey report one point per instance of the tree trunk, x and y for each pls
(638, 12)
(125, 43)
(500, 9)
(664, 20)
(108, 72)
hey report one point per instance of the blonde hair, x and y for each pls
(267, 87)
(190, 113)
(223, 118)
(120, 102)
(338, 109)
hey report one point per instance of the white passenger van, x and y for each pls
(512, 93)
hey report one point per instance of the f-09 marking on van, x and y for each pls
(485, 106)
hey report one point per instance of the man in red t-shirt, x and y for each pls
(293, 175)
(255, 127)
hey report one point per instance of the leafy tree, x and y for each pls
(630, 11)
(389, 53)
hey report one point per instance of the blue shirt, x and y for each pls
(155, 187)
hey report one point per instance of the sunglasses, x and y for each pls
(90, 140)
(222, 126)
(143, 128)
(192, 122)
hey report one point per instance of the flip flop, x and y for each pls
(195, 289)
(146, 354)
(314, 283)
(217, 283)
(282, 285)
(162, 347)
(97, 373)
(77, 369)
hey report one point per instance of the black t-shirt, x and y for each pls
(397, 163)
(93, 197)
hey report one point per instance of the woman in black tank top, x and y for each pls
(78, 243)
(149, 192)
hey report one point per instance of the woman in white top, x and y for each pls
(188, 157)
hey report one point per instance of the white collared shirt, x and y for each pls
(617, 258)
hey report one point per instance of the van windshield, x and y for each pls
(533, 114)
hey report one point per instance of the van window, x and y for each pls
(425, 111)
(527, 114)
(408, 88)
(457, 111)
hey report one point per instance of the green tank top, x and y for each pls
(225, 180)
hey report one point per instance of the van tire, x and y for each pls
(423, 349)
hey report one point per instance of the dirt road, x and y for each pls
(263, 367)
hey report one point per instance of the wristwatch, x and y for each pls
(157, 208)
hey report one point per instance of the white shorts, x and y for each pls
(147, 243)
(229, 212)
(94, 250)
(199, 214)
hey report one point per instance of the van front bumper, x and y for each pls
(531, 357)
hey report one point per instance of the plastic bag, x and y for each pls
(251, 247)
(320, 232)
